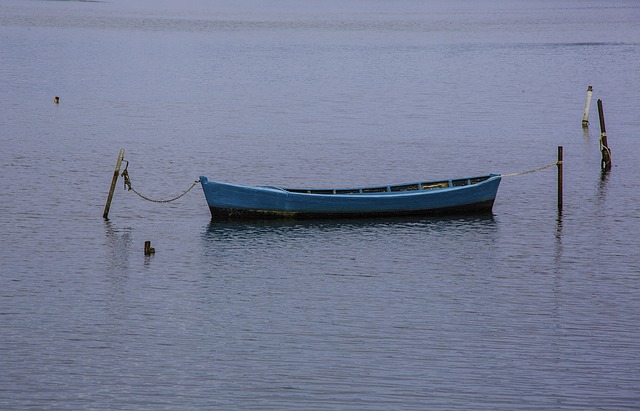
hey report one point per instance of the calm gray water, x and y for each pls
(526, 309)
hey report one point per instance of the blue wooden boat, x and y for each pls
(457, 196)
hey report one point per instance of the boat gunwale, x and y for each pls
(364, 191)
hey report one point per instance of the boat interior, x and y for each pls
(429, 185)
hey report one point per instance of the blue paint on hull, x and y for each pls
(230, 201)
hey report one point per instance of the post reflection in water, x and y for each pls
(118, 241)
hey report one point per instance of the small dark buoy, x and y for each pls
(148, 250)
(56, 99)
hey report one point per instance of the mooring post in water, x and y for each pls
(587, 106)
(148, 250)
(560, 159)
(114, 180)
(605, 164)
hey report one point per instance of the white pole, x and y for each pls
(587, 106)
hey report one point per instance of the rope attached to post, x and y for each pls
(127, 185)
(606, 153)
(532, 171)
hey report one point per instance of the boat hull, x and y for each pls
(229, 201)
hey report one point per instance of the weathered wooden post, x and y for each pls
(148, 250)
(605, 163)
(114, 180)
(587, 107)
(560, 160)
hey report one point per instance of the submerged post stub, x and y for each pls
(605, 163)
(114, 180)
(148, 250)
(587, 107)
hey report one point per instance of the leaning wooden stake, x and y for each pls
(605, 164)
(587, 107)
(114, 180)
(560, 156)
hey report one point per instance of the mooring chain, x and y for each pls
(128, 187)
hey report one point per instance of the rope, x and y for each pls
(606, 153)
(127, 184)
(557, 163)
